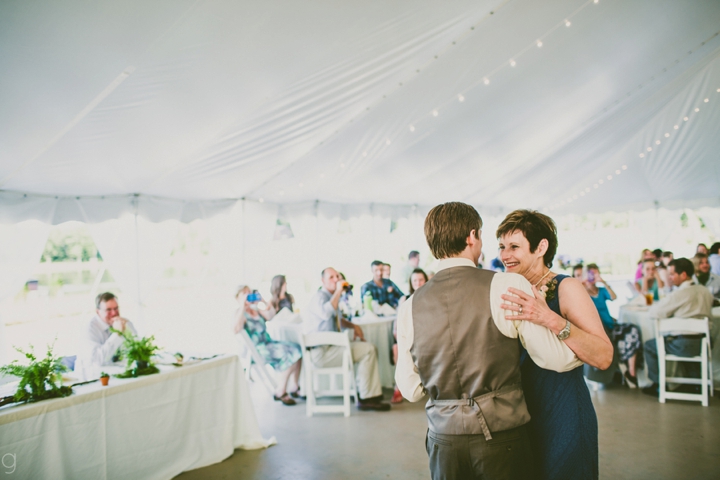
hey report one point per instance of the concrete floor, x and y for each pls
(639, 439)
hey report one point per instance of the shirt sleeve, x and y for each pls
(665, 308)
(407, 377)
(323, 312)
(543, 346)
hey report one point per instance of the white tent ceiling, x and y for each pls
(357, 102)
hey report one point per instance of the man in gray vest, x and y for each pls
(455, 344)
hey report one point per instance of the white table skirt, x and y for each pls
(153, 427)
(640, 317)
(378, 332)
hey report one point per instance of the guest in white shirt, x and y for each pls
(688, 301)
(99, 344)
(703, 275)
(714, 258)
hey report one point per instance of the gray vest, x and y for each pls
(468, 367)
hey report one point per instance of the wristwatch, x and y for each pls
(565, 332)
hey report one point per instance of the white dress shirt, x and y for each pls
(713, 284)
(98, 346)
(541, 344)
(688, 301)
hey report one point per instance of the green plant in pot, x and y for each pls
(41, 379)
(138, 353)
(104, 379)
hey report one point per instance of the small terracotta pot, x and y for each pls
(104, 381)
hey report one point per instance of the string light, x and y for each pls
(412, 129)
(486, 81)
(388, 142)
(641, 155)
(512, 62)
(461, 98)
(567, 23)
(261, 200)
(539, 44)
(435, 113)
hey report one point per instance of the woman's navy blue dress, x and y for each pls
(563, 426)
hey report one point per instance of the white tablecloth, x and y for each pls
(638, 315)
(377, 331)
(152, 427)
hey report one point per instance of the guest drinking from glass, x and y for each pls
(650, 283)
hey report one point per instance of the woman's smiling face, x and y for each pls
(514, 251)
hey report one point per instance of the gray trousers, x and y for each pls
(507, 456)
(682, 346)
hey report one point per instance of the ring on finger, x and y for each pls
(520, 311)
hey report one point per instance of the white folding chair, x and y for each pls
(681, 326)
(252, 360)
(312, 374)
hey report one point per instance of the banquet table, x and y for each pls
(377, 330)
(640, 316)
(152, 427)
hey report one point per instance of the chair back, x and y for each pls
(682, 326)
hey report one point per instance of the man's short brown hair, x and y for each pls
(534, 226)
(447, 227)
(103, 297)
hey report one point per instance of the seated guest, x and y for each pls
(702, 248)
(578, 271)
(703, 275)
(667, 257)
(285, 357)
(645, 255)
(624, 336)
(279, 298)
(688, 301)
(412, 263)
(386, 271)
(650, 282)
(418, 278)
(99, 344)
(714, 258)
(382, 289)
(320, 316)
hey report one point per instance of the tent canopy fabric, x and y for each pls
(176, 108)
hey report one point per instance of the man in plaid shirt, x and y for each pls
(381, 289)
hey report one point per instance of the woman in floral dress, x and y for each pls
(284, 357)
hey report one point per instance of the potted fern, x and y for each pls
(138, 352)
(41, 379)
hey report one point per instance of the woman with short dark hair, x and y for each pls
(563, 428)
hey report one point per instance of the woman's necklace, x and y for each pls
(542, 278)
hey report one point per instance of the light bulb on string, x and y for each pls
(609, 177)
(642, 155)
(685, 119)
(617, 172)
(624, 167)
(596, 1)
(667, 135)
(486, 81)
(657, 142)
(697, 109)
(595, 185)
(601, 181)
(539, 44)
(435, 113)
(649, 149)
(567, 23)
(412, 128)
(261, 200)
(388, 142)
(512, 62)
(706, 100)
(676, 127)
(461, 98)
